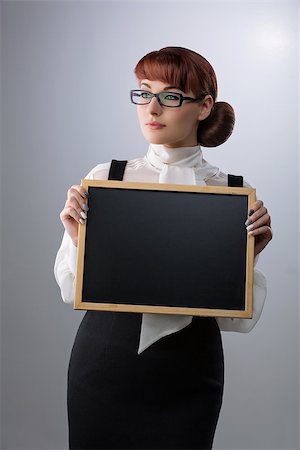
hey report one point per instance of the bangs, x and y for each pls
(172, 65)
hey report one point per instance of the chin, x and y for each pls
(154, 139)
(158, 141)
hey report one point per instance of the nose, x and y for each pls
(154, 107)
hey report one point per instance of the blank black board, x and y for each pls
(146, 246)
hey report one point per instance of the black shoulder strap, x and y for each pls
(235, 181)
(117, 169)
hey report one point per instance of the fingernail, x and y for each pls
(82, 221)
(86, 194)
(85, 206)
(248, 222)
(250, 228)
(83, 215)
(251, 212)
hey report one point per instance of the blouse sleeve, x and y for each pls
(64, 268)
(259, 284)
(259, 296)
(65, 261)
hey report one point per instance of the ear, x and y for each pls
(206, 107)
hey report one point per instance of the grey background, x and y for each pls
(66, 70)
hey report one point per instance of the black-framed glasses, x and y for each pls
(170, 99)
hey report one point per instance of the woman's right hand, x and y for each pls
(74, 211)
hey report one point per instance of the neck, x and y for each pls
(172, 155)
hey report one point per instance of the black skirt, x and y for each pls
(168, 397)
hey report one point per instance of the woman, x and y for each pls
(149, 381)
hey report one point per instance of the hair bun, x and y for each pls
(217, 127)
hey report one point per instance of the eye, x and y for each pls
(145, 94)
(170, 96)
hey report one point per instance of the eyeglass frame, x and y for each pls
(182, 98)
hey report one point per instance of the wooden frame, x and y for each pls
(118, 186)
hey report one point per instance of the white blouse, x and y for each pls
(146, 169)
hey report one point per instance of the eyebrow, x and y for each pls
(164, 89)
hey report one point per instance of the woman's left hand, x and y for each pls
(259, 225)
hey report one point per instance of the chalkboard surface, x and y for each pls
(165, 248)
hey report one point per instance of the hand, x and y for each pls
(259, 225)
(74, 211)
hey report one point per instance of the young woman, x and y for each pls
(150, 381)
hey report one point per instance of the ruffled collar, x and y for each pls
(185, 156)
(188, 160)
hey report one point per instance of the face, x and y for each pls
(176, 127)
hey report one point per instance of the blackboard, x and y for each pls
(165, 248)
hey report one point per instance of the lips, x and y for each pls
(155, 125)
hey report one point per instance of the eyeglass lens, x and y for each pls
(165, 98)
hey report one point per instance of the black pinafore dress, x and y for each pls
(168, 397)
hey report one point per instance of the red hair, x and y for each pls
(179, 67)
(189, 71)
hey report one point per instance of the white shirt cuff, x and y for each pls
(73, 258)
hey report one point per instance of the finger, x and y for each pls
(70, 212)
(264, 220)
(80, 194)
(80, 189)
(262, 212)
(80, 208)
(258, 204)
(265, 230)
